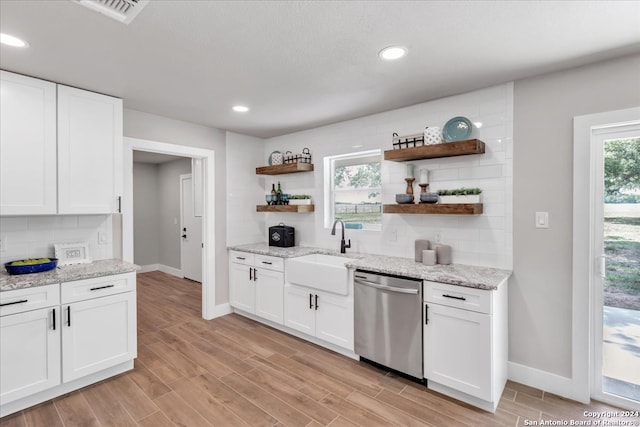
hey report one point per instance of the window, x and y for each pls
(353, 190)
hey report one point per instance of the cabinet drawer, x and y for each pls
(472, 299)
(245, 258)
(269, 262)
(80, 290)
(28, 299)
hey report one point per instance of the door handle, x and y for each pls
(426, 314)
(255, 274)
(316, 301)
(68, 315)
(184, 236)
(250, 273)
(387, 288)
(310, 301)
(603, 266)
(54, 319)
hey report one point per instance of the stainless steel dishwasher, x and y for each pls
(388, 321)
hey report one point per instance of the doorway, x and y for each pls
(616, 290)
(207, 161)
(190, 232)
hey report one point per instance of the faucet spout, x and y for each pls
(343, 245)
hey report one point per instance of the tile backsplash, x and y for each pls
(34, 236)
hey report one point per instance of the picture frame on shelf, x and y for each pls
(72, 253)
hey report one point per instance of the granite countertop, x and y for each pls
(470, 276)
(67, 273)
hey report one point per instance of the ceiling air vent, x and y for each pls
(121, 10)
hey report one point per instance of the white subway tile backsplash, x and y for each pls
(478, 240)
(13, 224)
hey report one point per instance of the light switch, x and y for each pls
(542, 219)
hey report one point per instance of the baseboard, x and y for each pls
(170, 270)
(543, 380)
(221, 310)
(148, 268)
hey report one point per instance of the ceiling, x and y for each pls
(303, 64)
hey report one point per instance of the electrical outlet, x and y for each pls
(437, 237)
(102, 238)
(3, 243)
(393, 236)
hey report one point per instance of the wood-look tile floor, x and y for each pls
(232, 371)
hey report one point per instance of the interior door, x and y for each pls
(191, 232)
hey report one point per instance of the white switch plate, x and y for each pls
(102, 238)
(542, 219)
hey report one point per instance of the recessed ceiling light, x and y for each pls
(392, 53)
(240, 108)
(10, 40)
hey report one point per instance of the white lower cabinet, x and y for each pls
(57, 338)
(98, 333)
(465, 342)
(320, 314)
(256, 284)
(29, 345)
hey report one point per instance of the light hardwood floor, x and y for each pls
(232, 371)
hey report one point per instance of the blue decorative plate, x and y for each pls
(31, 268)
(457, 129)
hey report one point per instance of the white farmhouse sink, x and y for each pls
(319, 271)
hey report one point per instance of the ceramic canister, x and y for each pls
(432, 135)
(421, 245)
(443, 254)
(429, 257)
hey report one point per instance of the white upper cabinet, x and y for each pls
(27, 145)
(89, 152)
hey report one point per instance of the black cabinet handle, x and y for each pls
(250, 273)
(14, 302)
(68, 315)
(426, 314)
(454, 297)
(119, 204)
(267, 262)
(255, 274)
(316, 301)
(54, 319)
(102, 287)
(240, 258)
(310, 301)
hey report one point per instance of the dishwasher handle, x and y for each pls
(387, 288)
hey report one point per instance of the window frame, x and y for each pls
(349, 159)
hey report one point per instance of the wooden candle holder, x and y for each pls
(423, 187)
(410, 185)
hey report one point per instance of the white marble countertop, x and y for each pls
(455, 274)
(67, 273)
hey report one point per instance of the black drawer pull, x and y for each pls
(54, 319)
(316, 301)
(240, 258)
(426, 314)
(250, 273)
(14, 302)
(68, 315)
(454, 297)
(102, 287)
(310, 301)
(255, 274)
(267, 262)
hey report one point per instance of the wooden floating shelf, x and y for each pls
(446, 149)
(436, 208)
(282, 169)
(285, 208)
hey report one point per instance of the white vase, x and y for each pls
(469, 198)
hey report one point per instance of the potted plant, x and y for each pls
(460, 195)
(299, 199)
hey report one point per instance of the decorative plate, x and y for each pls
(457, 129)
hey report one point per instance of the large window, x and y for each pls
(353, 190)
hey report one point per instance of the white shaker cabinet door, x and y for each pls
(334, 319)
(242, 293)
(27, 145)
(269, 294)
(457, 349)
(299, 311)
(28, 366)
(97, 334)
(89, 152)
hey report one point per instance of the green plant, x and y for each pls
(299, 196)
(460, 192)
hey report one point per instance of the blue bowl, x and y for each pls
(31, 268)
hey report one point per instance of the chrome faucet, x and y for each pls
(343, 244)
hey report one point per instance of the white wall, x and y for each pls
(244, 155)
(540, 291)
(34, 236)
(479, 240)
(137, 124)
